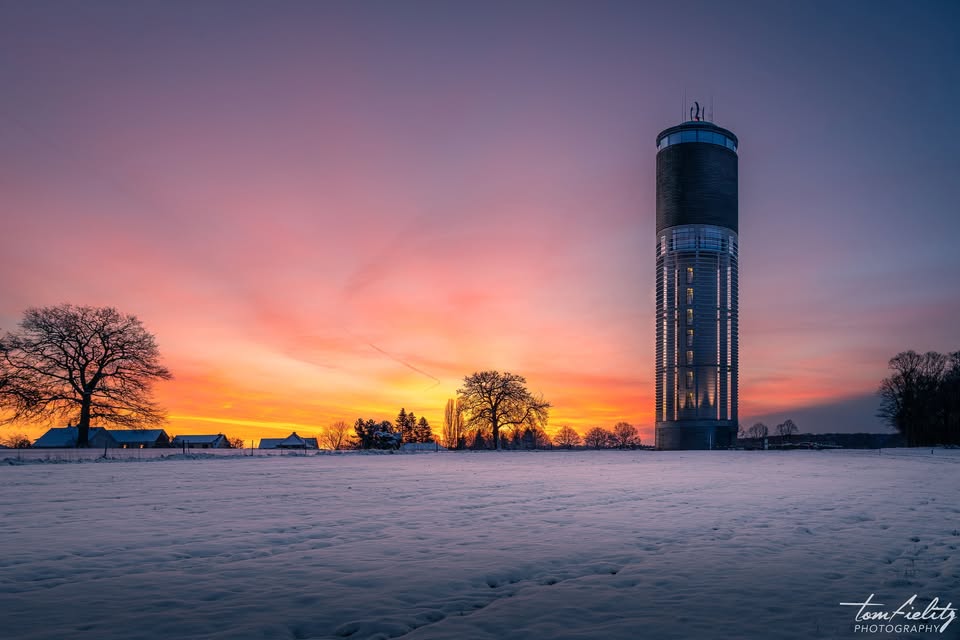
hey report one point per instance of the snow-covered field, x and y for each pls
(489, 545)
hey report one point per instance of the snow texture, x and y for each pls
(464, 546)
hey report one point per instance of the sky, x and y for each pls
(327, 210)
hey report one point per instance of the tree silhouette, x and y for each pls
(758, 430)
(535, 438)
(335, 436)
(422, 431)
(566, 438)
(15, 441)
(453, 436)
(405, 424)
(78, 364)
(921, 397)
(496, 400)
(625, 435)
(598, 438)
(479, 440)
(372, 434)
(786, 429)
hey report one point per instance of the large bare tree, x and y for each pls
(80, 364)
(921, 397)
(496, 400)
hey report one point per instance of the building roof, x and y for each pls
(293, 441)
(65, 436)
(198, 439)
(137, 436)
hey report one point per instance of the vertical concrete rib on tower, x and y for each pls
(697, 276)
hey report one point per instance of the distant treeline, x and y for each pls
(845, 440)
(921, 397)
(457, 433)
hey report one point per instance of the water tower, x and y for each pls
(697, 275)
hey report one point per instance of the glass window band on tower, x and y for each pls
(697, 287)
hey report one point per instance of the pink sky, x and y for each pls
(334, 211)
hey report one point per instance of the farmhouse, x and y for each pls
(66, 437)
(140, 438)
(218, 441)
(293, 441)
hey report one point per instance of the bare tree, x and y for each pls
(235, 443)
(758, 430)
(598, 438)
(950, 400)
(567, 438)
(79, 364)
(625, 435)
(496, 400)
(15, 441)
(921, 397)
(453, 435)
(335, 436)
(786, 429)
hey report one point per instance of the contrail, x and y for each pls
(436, 381)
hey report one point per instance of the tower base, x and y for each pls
(679, 436)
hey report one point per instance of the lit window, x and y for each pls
(689, 356)
(689, 295)
(689, 316)
(689, 337)
(689, 275)
(689, 379)
(689, 398)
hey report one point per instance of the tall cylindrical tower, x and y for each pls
(696, 287)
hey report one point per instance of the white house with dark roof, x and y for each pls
(293, 441)
(66, 438)
(218, 441)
